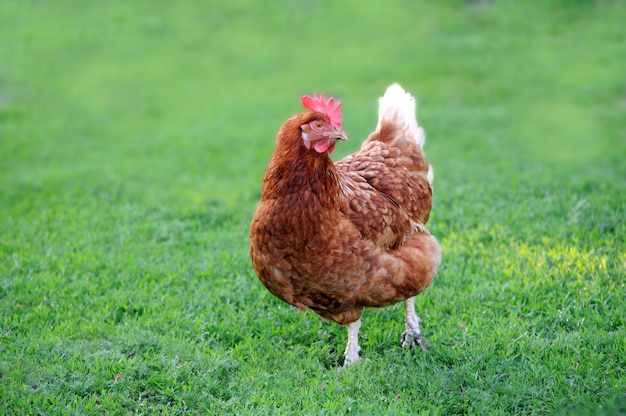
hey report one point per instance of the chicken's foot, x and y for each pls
(352, 349)
(412, 335)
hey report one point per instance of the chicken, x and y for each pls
(337, 238)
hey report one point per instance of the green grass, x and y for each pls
(133, 140)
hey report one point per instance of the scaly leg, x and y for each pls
(412, 336)
(352, 349)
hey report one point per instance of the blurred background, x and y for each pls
(144, 98)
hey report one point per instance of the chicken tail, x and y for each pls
(397, 106)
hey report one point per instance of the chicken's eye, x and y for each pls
(318, 125)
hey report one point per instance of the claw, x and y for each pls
(421, 343)
(409, 341)
(348, 361)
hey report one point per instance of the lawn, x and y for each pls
(133, 140)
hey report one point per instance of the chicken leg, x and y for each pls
(352, 349)
(412, 335)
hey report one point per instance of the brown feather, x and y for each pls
(336, 238)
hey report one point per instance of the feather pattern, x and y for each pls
(336, 238)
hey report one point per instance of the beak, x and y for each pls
(338, 134)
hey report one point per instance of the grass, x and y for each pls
(133, 139)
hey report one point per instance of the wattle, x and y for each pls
(323, 145)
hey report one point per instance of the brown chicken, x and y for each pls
(338, 237)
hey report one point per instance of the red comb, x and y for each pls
(318, 104)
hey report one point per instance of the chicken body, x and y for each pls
(336, 238)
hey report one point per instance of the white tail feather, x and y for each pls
(431, 175)
(398, 106)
